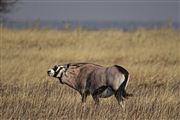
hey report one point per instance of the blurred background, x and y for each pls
(92, 14)
(143, 36)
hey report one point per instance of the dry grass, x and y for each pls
(151, 56)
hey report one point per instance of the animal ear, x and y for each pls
(66, 66)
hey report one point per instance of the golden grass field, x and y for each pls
(150, 55)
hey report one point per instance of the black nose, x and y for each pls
(48, 71)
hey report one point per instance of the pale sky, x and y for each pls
(97, 10)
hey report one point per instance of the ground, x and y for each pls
(150, 55)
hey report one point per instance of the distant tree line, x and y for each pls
(5, 5)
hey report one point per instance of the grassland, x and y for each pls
(151, 56)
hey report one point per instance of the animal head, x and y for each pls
(65, 72)
(57, 71)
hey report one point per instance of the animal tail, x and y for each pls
(123, 86)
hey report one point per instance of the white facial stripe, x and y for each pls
(56, 73)
(60, 72)
(58, 69)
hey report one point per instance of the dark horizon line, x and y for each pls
(77, 21)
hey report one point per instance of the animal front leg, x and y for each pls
(84, 96)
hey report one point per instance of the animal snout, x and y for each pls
(49, 71)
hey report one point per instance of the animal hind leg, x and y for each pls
(98, 92)
(119, 97)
